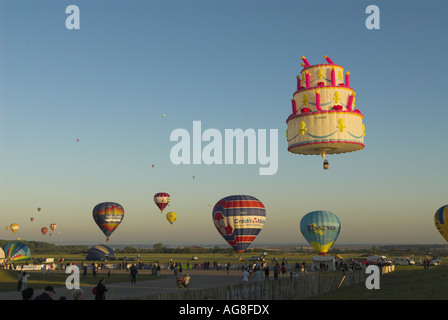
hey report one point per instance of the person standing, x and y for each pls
(276, 271)
(101, 290)
(257, 274)
(28, 294)
(47, 294)
(19, 281)
(266, 273)
(78, 294)
(134, 272)
(25, 277)
(245, 276)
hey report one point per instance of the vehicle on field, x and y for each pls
(404, 261)
(379, 260)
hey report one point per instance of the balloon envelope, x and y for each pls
(14, 227)
(321, 229)
(44, 230)
(239, 219)
(171, 217)
(162, 199)
(52, 226)
(441, 221)
(16, 251)
(108, 216)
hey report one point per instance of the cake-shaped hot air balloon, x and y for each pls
(324, 119)
(320, 229)
(441, 221)
(108, 216)
(239, 219)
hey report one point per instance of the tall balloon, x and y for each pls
(324, 119)
(52, 226)
(320, 229)
(441, 221)
(171, 217)
(239, 219)
(16, 251)
(108, 216)
(44, 230)
(14, 227)
(162, 199)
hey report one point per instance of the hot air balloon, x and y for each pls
(14, 227)
(162, 199)
(108, 216)
(53, 226)
(17, 251)
(441, 221)
(323, 118)
(38, 209)
(171, 217)
(44, 230)
(32, 219)
(320, 229)
(239, 219)
(7, 228)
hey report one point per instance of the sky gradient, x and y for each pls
(229, 64)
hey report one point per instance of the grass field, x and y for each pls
(37, 280)
(405, 283)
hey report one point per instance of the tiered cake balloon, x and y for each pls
(324, 119)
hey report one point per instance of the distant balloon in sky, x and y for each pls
(161, 200)
(14, 227)
(163, 115)
(7, 227)
(171, 217)
(321, 229)
(53, 226)
(44, 230)
(441, 221)
(108, 216)
(32, 219)
(239, 219)
(77, 140)
(38, 209)
(16, 251)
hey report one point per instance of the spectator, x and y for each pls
(47, 294)
(28, 294)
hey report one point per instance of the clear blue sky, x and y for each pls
(229, 64)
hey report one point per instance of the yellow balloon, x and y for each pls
(441, 221)
(171, 217)
(14, 227)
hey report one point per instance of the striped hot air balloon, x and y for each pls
(239, 219)
(108, 216)
(17, 251)
(162, 199)
(53, 226)
(441, 221)
(321, 229)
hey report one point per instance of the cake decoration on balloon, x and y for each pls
(324, 119)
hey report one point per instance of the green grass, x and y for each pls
(405, 283)
(37, 280)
